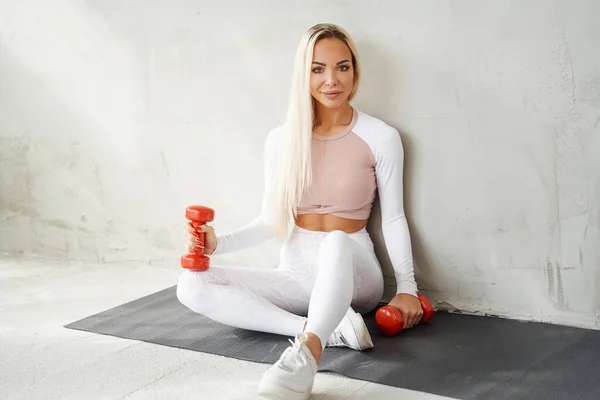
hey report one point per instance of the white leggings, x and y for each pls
(320, 276)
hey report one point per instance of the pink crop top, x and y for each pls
(349, 169)
(343, 181)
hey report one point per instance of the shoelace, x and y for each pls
(293, 358)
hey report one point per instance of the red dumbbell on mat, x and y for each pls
(196, 260)
(390, 321)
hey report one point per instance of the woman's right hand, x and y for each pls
(210, 238)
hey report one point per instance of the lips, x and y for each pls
(331, 95)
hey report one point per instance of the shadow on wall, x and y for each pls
(423, 269)
(380, 83)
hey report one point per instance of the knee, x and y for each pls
(335, 248)
(190, 289)
(184, 288)
(336, 240)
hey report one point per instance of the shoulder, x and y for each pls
(275, 133)
(273, 138)
(378, 134)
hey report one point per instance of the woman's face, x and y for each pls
(332, 74)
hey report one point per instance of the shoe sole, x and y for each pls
(274, 392)
(360, 330)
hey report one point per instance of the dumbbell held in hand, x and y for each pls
(196, 260)
(391, 322)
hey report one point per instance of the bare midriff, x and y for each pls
(329, 223)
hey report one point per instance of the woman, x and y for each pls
(323, 168)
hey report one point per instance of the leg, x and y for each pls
(332, 293)
(254, 299)
(368, 276)
(348, 274)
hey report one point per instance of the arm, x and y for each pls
(258, 230)
(389, 159)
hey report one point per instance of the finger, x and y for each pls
(192, 247)
(190, 236)
(406, 317)
(206, 229)
(193, 240)
(419, 317)
(190, 229)
(413, 319)
(409, 322)
(202, 228)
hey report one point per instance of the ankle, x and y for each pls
(314, 345)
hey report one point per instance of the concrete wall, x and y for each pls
(116, 115)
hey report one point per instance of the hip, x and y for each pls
(300, 250)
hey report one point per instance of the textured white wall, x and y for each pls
(116, 115)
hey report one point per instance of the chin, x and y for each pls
(333, 103)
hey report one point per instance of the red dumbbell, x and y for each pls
(195, 260)
(390, 321)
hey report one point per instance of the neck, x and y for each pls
(328, 117)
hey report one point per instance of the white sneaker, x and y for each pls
(352, 332)
(292, 376)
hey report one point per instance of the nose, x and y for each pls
(331, 79)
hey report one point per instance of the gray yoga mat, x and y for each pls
(460, 356)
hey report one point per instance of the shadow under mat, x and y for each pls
(460, 356)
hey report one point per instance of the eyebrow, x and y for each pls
(320, 63)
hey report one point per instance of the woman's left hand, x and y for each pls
(410, 307)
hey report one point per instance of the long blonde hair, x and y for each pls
(293, 169)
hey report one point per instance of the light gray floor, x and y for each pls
(39, 359)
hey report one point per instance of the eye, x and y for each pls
(344, 67)
(317, 70)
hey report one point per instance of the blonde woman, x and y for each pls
(323, 169)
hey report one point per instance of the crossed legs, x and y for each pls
(321, 276)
